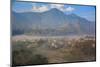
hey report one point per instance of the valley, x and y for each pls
(52, 49)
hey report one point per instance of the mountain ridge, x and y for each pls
(51, 21)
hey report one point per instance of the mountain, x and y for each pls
(52, 22)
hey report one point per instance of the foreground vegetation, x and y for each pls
(44, 51)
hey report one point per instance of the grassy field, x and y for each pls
(53, 50)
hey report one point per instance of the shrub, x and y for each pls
(25, 56)
(81, 51)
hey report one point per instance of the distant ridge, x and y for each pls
(52, 22)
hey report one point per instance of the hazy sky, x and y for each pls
(87, 12)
